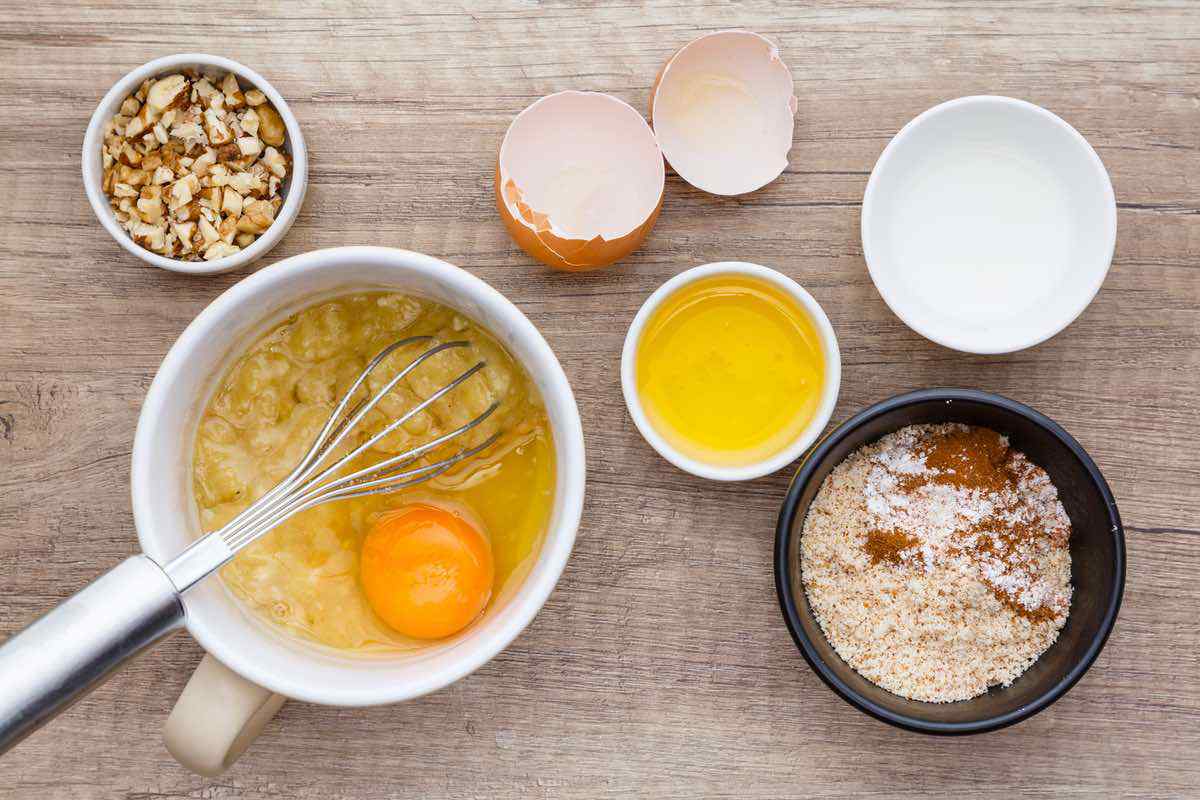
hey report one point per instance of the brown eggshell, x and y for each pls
(724, 151)
(568, 255)
(535, 231)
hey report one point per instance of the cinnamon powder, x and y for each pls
(888, 545)
(976, 460)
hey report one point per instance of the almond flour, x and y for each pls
(936, 561)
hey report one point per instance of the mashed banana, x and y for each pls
(304, 576)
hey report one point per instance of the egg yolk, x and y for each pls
(427, 572)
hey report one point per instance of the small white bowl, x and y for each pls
(292, 191)
(988, 224)
(829, 394)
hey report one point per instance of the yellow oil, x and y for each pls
(729, 370)
(304, 575)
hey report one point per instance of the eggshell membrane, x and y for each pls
(579, 180)
(723, 108)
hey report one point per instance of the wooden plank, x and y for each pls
(660, 667)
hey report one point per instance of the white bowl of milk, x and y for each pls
(988, 224)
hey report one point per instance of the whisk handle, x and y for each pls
(75, 647)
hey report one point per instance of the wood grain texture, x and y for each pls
(660, 666)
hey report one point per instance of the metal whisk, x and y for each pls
(73, 648)
(301, 490)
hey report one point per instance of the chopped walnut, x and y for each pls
(192, 165)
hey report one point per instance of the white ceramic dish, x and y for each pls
(222, 709)
(293, 188)
(829, 394)
(988, 224)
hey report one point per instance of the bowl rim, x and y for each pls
(93, 140)
(1016, 106)
(829, 392)
(783, 535)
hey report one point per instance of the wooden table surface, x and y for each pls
(660, 667)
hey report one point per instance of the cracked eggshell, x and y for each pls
(723, 109)
(579, 180)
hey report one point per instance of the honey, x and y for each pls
(304, 576)
(730, 370)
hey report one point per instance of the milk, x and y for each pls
(981, 232)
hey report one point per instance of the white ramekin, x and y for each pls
(293, 188)
(260, 660)
(1043, 138)
(829, 394)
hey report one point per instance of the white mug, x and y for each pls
(251, 668)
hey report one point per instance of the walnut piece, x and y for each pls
(193, 166)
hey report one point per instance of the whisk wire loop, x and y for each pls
(331, 434)
(311, 483)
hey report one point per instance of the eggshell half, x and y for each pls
(724, 110)
(579, 180)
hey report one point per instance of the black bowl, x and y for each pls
(1097, 560)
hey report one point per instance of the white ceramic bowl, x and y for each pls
(829, 394)
(988, 224)
(164, 509)
(293, 187)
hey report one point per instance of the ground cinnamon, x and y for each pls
(970, 458)
(1007, 541)
(888, 545)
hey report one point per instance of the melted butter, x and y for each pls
(729, 370)
(304, 576)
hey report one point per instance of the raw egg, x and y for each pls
(579, 180)
(724, 111)
(426, 571)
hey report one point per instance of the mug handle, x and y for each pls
(217, 716)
